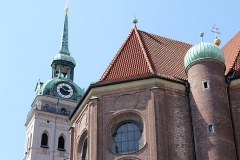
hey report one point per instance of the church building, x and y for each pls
(47, 125)
(162, 99)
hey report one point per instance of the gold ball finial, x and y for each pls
(66, 9)
(217, 42)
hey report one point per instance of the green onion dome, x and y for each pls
(201, 51)
(65, 57)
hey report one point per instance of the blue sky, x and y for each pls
(30, 36)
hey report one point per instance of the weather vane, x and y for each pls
(66, 8)
(215, 30)
(67, 3)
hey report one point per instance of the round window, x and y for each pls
(127, 138)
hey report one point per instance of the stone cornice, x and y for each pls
(125, 86)
(234, 83)
(52, 99)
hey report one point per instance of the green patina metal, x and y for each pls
(201, 51)
(62, 71)
(64, 47)
(64, 53)
(135, 21)
(65, 57)
(49, 88)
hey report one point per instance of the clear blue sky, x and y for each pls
(30, 36)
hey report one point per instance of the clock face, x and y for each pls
(64, 90)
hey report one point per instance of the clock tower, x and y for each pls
(47, 123)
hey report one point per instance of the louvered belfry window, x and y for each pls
(44, 141)
(61, 142)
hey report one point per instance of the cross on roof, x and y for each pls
(67, 3)
(215, 30)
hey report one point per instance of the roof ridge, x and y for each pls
(235, 59)
(235, 55)
(115, 57)
(144, 51)
(164, 37)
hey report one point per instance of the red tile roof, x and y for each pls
(231, 51)
(143, 55)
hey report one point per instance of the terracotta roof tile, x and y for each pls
(130, 62)
(231, 52)
(144, 54)
(166, 55)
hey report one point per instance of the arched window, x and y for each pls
(126, 137)
(44, 141)
(83, 146)
(85, 150)
(61, 143)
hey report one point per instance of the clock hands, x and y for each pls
(65, 89)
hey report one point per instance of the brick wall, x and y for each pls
(210, 106)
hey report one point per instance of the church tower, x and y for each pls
(212, 125)
(47, 124)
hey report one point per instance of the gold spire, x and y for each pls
(66, 9)
(217, 41)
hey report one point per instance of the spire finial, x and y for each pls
(66, 8)
(201, 35)
(64, 44)
(135, 21)
(217, 41)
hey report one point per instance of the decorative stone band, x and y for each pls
(61, 154)
(43, 151)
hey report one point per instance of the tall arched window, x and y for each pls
(61, 143)
(85, 150)
(44, 141)
(83, 146)
(127, 138)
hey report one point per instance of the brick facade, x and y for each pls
(210, 107)
(182, 113)
(163, 111)
(175, 121)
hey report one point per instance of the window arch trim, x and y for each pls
(79, 149)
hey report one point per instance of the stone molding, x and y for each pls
(43, 151)
(128, 158)
(62, 128)
(129, 99)
(61, 154)
(45, 124)
(126, 86)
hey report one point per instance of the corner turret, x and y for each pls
(212, 125)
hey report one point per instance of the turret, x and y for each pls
(212, 125)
